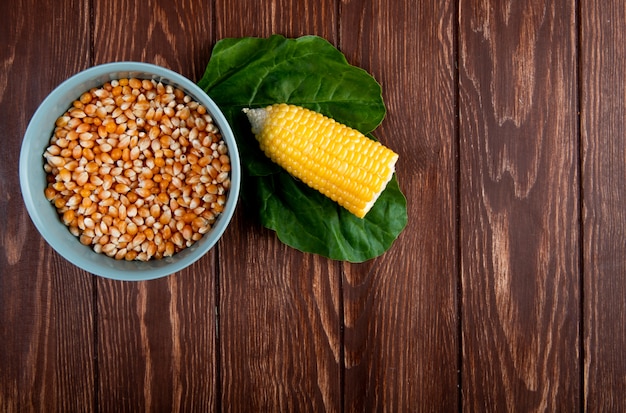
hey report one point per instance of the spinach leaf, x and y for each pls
(307, 220)
(309, 72)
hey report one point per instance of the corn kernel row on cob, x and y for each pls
(338, 161)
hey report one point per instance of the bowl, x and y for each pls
(44, 214)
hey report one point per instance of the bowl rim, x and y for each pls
(126, 270)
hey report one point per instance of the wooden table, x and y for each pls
(506, 291)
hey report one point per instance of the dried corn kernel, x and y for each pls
(105, 156)
(338, 161)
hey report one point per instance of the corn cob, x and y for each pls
(336, 160)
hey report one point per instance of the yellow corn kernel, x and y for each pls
(336, 160)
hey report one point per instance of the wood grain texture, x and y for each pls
(174, 34)
(290, 18)
(603, 121)
(156, 347)
(279, 309)
(505, 292)
(519, 206)
(42, 367)
(279, 330)
(156, 340)
(401, 345)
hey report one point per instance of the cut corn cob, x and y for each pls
(336, 160)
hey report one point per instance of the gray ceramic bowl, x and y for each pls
(33, 176)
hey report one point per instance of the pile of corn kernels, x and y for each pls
(137, 169)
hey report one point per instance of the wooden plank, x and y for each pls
(279, 309)
(289, 18)
(46, 304)
(156, 340)
(176, 35)
(401, 349)
(519, 206)
(156, 343)
(279, 329)
(603, 121)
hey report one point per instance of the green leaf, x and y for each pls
(309, 72)
(308, 221)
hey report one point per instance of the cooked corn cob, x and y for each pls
(338, 161)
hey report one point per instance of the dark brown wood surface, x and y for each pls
(506, 291)
(602, 125)
(519, 207)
